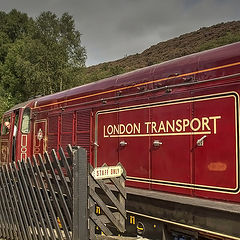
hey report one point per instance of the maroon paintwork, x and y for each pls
(190, 64)
(174, 104)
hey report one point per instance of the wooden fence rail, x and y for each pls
(84, 204)
(116, 218)
(52, 197)
(36, 199)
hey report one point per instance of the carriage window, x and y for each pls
(6, 125)
(26, 121)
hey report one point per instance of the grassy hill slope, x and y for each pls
(202, 39)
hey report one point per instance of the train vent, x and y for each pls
(67, 129)
(83, 129)
(52, 133)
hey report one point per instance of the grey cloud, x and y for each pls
(113, 28)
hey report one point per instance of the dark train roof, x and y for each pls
(20, 105)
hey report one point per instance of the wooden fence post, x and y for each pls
(80, 194)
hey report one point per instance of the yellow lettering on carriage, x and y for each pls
(185, 126)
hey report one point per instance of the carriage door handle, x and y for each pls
(200, 141)
(123, 143)
(157, 143)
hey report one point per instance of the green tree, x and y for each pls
(60, 35)
(44, 60)
(4, 45)
(15, 24)
(63, 53)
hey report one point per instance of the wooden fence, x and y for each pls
(47, 197)
(97, 188)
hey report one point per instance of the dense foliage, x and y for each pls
(37, 56)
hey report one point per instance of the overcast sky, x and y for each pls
(112, 29)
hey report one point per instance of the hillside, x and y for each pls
(202, 39)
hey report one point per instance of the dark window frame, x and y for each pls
(5, 131)
(23, 131)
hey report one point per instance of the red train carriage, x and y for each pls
(174, 127)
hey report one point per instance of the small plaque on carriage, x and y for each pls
(107, 172)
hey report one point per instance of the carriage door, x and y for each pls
(216, 149)
(120, 137)
(106, 147)
(133, 145)
(170, 146)
(40, 140)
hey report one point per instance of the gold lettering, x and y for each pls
(192, 124)
(115, 129)
(104, 131)
(161, 127)
(205, 122)
(215, 123)
(154, 127)
(185, 124)
(147, 124)
(179, 125)
(171, 126)
(122, 128)
(129, 128)
(136, 128)
(165, 126)
(110, 130)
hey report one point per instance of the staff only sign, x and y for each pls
(107, 172)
